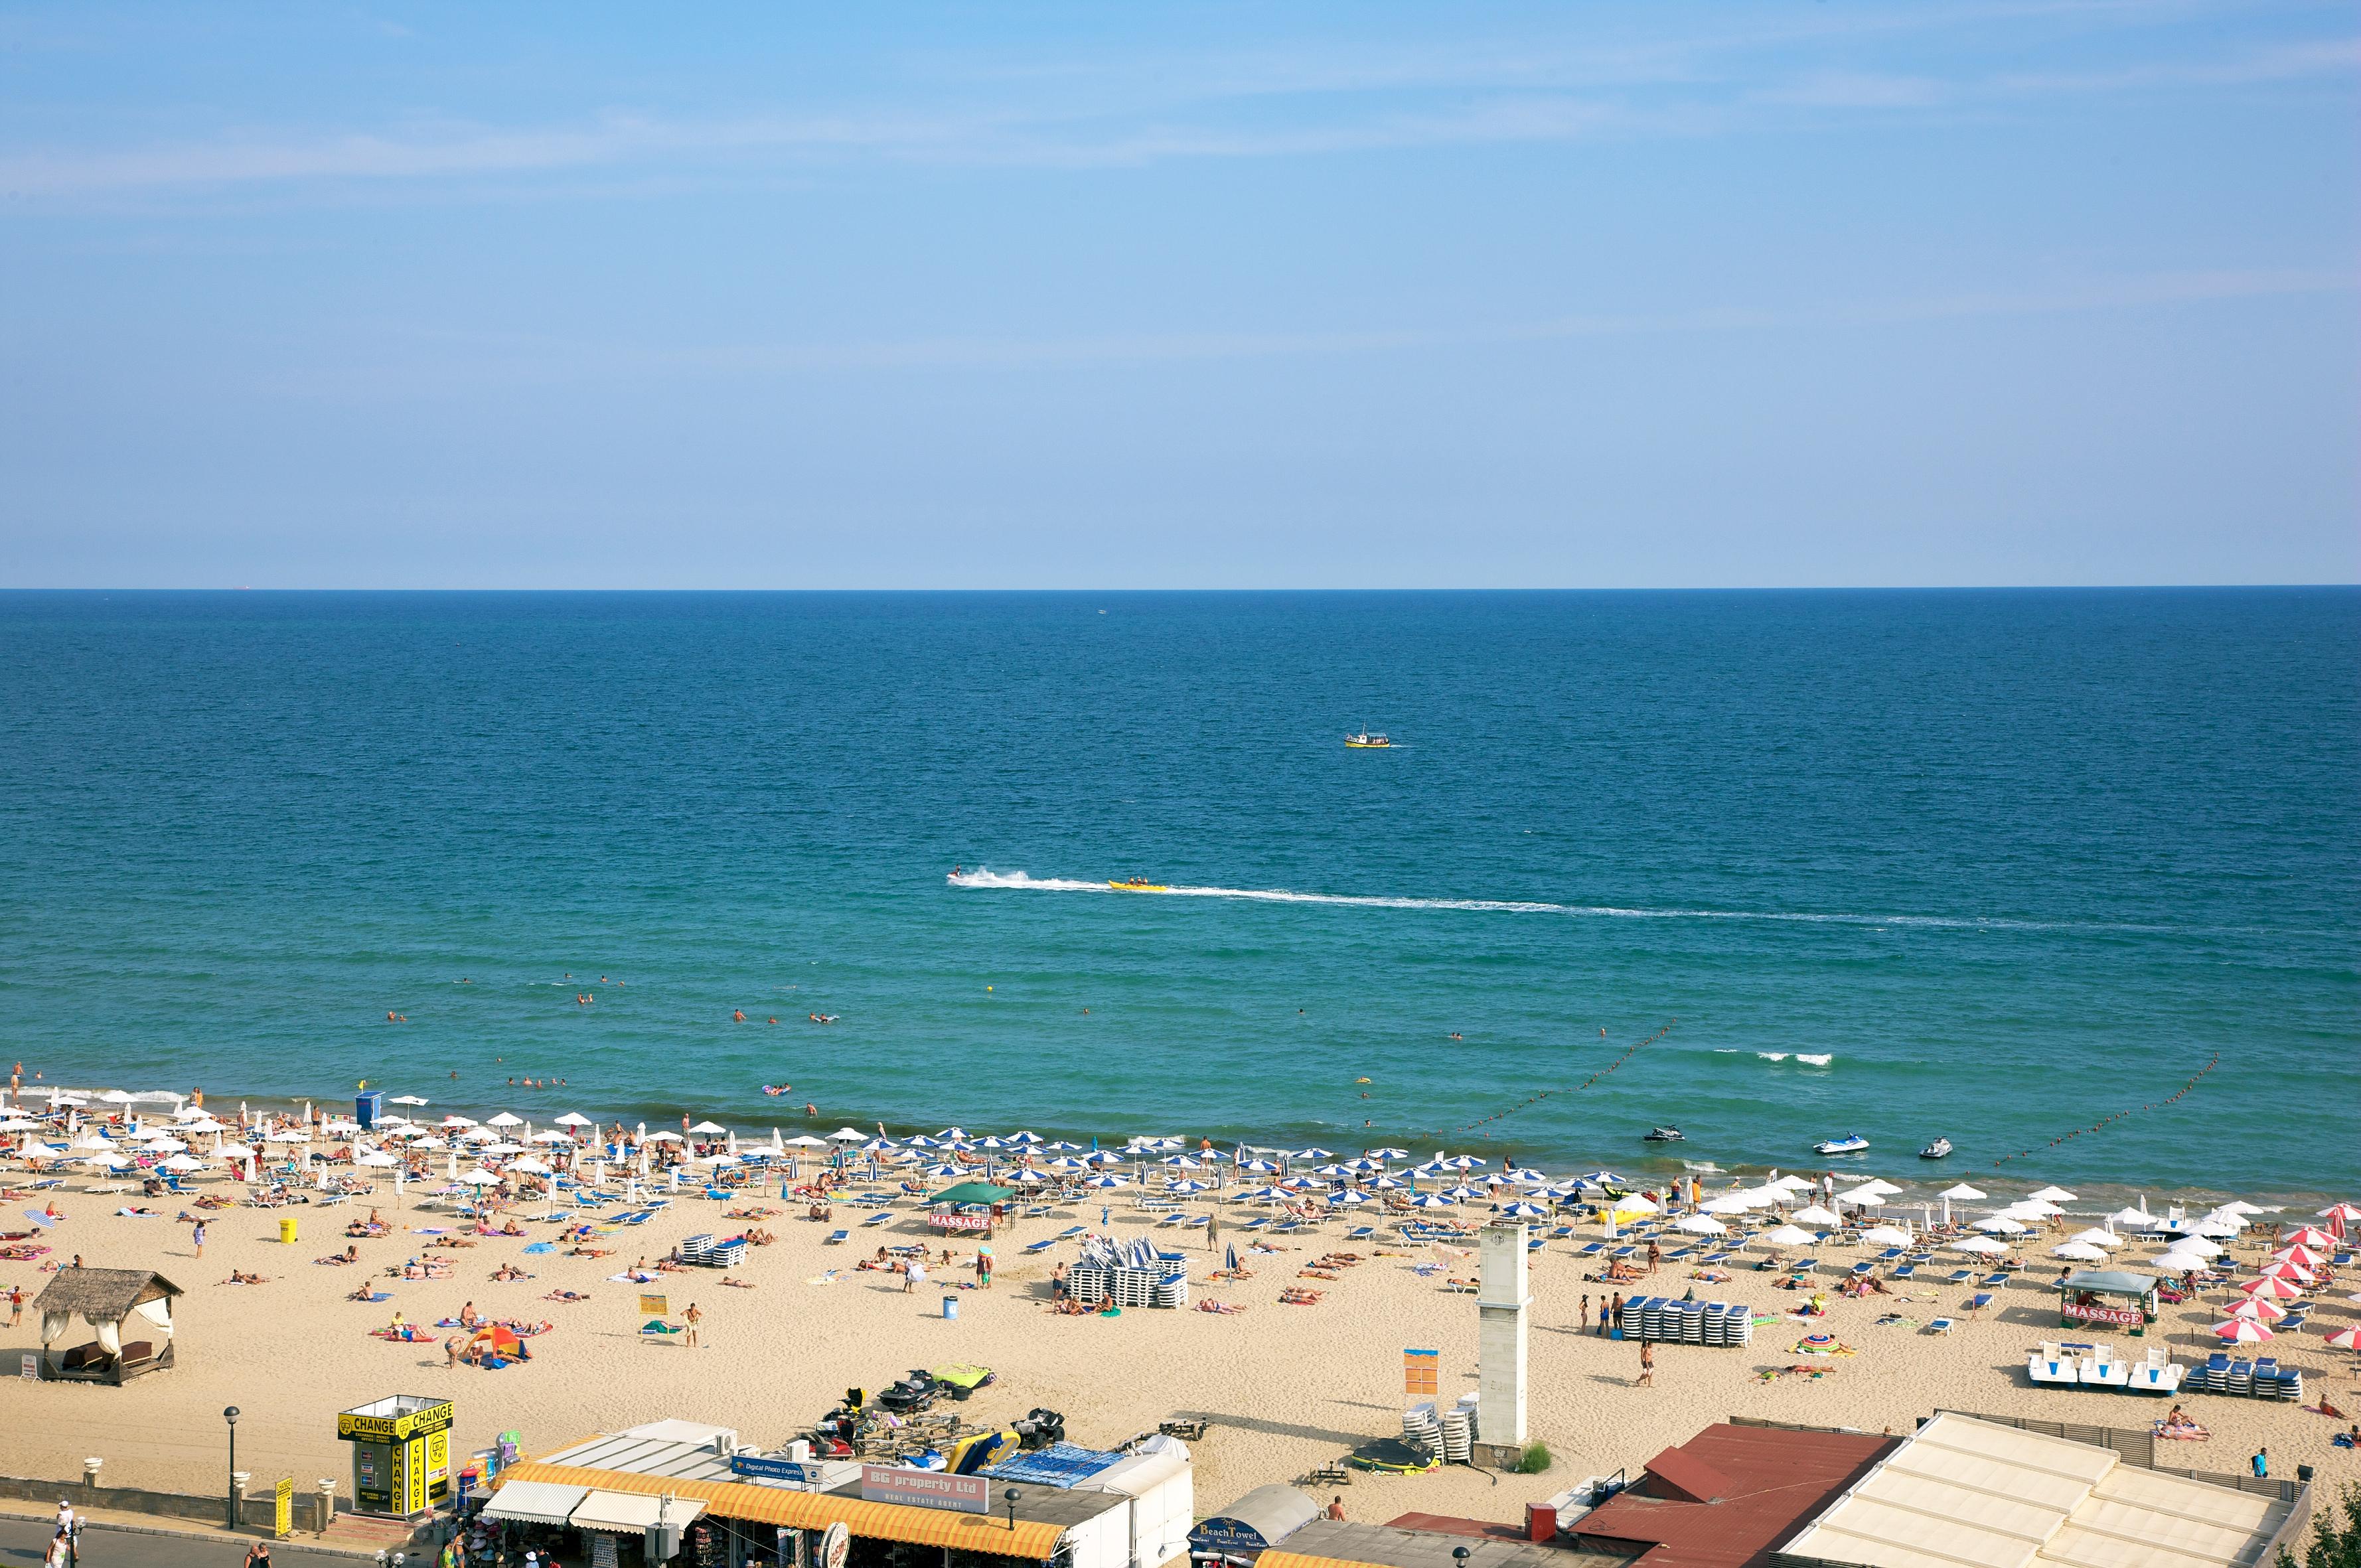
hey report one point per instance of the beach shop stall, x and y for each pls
(777, 1511)
(401, 1454)
(2107, 1298)
(129, 1311)
(1238, 1535)
(975, 1208)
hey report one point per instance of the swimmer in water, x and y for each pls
(738, 1016)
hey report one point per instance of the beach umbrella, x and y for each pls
(19, 1124)
(2269, 1288)
(2198, 1244)
(1524, 1175)
(2242, 1331)
(921, 1141)
(1103, 1157)
(457, 1121)
(2260, 1308)
(1598, 1179)
(1727, 1204)
(1390, 1154)
(1333, 1172)
(2180, 1263)
(2342, 1213)
(1260, 1166)
(503, 1147)
(1463, 1193)
(181, 1165)
(2001, 1225)
(477, 1177)
(1632, 1203)
(2032, 1209)
(713, 1129)
(1269, 1195)
(2052, 1195)
(1432, 1200)
(1385, 1184)
(575, 1119)
(1107, 1179)
(1787, 1236)
(504, 1119)
(1318, 1154)
(1062, 1145)
(2135, 1219)
(665, 1137)
(2287, 1271)
(1983, 1247)
(2098, 1237)
(1886, 1236)
(1349, 1200)
(106, 1161)
(554, 1136)
(2313, 1237)
(1521, 1209)
(1024, 1139)
(941, 1170)
(878, 1146)
(1182, 1162)
(1701, 1224)
(2079, 1251)
(1814, 1215)
(1068, 1165)
(529, 1166)
(2344, 1339)
(2302, 1256)
(479, 1135)
(800, 1141)
(1029, 1178)
(407, 1100)
(989, 1142)
(174, 1145)
(2240, 1206)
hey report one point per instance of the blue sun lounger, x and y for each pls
(882, 1217)
(834, 1237)
(1977, 1302)
(1361, 1234)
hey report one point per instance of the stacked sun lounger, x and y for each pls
(2264, 1379)
(1689, 1322)
(1131, 1274)
(703, 1251)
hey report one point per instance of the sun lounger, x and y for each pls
(1535, 1244)
(1977, 1302)
(1175, 1218)
(1890, 1254)
(1907, 1271)
(1863, 1270)
(1361, 1234)
(1624, 1253)
(1996, 1281)
(1961, 1277)
(2215, 1379)
(1286, 1228)
(1940, 1326)
(1044, 1244)
(882, 1217)
(835, 1237)
(1257, 1222)
(2242, 1376)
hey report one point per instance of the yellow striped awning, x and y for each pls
(1030, 1541)
(1277, 1559)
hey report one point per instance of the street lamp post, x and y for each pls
(1010, 1497)
(230, 1416)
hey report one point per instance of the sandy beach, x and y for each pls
(1283, 1387)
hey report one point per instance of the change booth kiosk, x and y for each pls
(402, 1453)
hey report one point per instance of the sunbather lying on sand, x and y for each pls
(237, 1278)
(565, 1296)
(738, 1284)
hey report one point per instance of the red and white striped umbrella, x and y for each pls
(2241, 1330)
(2346, 1339)
(2302, 1256)
(2296, 1272)
(2272, 1290)
(2312, 1236)
(2258, 1309)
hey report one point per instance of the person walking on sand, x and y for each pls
(198, 1236)
(16, 1305)
(914, 1276)
(692, 1318)
(1213, 1233)
(1586, 1309)
(1647, 1365)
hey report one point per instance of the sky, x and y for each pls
(336, 295)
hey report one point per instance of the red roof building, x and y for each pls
(1724, 1498)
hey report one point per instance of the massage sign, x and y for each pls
(2094, 1313)
(402, 1453)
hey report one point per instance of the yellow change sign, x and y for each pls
(352, 1424)
(283, 1519)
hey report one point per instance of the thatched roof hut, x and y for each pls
(128, 1309)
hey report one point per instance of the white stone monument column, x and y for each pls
(1501, 1306)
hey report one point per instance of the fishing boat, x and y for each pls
(1365, 741)
(1937, 1149)
(1664, 1136)
(1138, 884)
(1852, 1142)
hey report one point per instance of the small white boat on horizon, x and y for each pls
(1852, 1142)
(1938, 1150)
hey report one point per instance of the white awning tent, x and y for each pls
(630, 1513)
(536, 1502)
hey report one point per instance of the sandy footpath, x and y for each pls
(1284, 1388)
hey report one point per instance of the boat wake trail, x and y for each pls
(1021, 881)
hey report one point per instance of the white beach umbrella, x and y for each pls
(2098, 1236)
(1814, 1215)
(714, 1129)
(455, 1120)
(2240, 1206)
(1701, 1224)
(1632, 1203)
(1728, 1204)
(2201, 1245)
(181, 1165)
(503, 1147)
(1983, 1247)
(552, 1135)
(479, 1135)
(504, 1119)
(1886, 1236)
(164, 1145)
(841, 1136)
(2136, 1219)
(2052, 1195)
(575, 1119)
(2001, 1225)
(376, 1159)
(2079, 1252)
(806, 1141)
(1787, 1236)
(477, 1177)
(2180, 1263)
(664, 1138)
(529, 1166)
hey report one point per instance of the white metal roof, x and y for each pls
(629, 1512)
(1961, 1491)
(536, 1502)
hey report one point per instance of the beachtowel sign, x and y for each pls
(655, 1306)
(1422, 1371)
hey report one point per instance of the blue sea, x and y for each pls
(2009, 862)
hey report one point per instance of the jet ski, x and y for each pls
(1852, 1142)
(1937, 1149)
(1664, 1135)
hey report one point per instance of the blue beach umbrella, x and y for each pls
(1521, 1209)
(1108, 1179)
(1432, 1200)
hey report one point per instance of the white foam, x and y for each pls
(1020, 880)
(1821, 1060)
(1772, 1055)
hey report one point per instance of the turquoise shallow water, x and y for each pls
(2012, 860)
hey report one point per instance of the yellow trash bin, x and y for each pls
(287, 1229)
